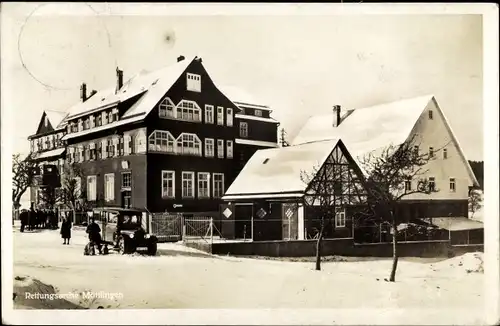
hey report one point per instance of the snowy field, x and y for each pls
(180, 277)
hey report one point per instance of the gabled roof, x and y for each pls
(278, 170)
(367, 129)
(55, 117)
(373, 128)
(152, 84)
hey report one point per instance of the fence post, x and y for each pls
(211, 230)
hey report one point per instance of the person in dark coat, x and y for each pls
(66, 230)
(24, 219)
(94, 232)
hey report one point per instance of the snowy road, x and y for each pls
(184, 278)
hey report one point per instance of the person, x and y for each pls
(66, 230)
(94, 232)
(24, 219)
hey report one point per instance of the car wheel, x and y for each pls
(152, 248)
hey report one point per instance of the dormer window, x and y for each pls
(258, 113)
(193, 82)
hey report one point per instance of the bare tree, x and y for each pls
(395, 172)
(475, 201)
(23, 171)
(71, 194)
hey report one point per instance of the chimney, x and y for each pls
(83, 92)
(336, 115)
(180, 58)
(119, 79)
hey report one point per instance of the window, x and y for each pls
(408, 185)
(445, 153)
(432, 184)
(126, 180)
(104, 149)
(218, 185)
(86, 124)
(340, 218)
(92, 151)
(104, 115)
(258, 113)
(189, 144)
(86, 152)
(99, 120)
(127, 144)
(209, 147)
(431, 152)
(430, 115)
(220, 148)
(166, 109)
(203, 185)
(243, 129)
(229, 117)
(114, 114)
(220, 115)
(120, 146)
(168, 184)
(187, 184)
(452, 185)
(110, 148)
(229, 148)
(337, 187)
(109, 187)
(140, 142)
(189, 111)
(91, 187)
(162, 141)
(92, 121)
(80, 124)
(209, 113)
(193, 82)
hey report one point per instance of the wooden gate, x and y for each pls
(167, 227)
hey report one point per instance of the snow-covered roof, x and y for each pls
(241, 97)
(55, 117)
(51, 153)
(371, 129)
(252, 117)
(278, 170)
(367, 129)
(153, 84)
(456, 223)
(255, 142)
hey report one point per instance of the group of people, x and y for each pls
(38, 219)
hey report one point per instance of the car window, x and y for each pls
(126, 219)
(134, 219)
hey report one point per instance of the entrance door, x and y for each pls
(243, 221)
(126, 198)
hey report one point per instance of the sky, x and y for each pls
(297, 64)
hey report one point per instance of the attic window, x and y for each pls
(193, 82)
(430, 115)
(265, 161)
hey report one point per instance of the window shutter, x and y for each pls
(92, 121)
(126, 144)
(104, 148)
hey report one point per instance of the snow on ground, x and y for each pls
(180, 277)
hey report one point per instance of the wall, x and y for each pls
(433, 133)
(341, 247)
(137, 165)
(259, 130)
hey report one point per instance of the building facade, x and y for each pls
(165, 140)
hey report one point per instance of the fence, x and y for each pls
(407, 232)
(166, 226)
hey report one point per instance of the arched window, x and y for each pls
(189, 111)
(189, 144)
(161, 141)
(166, 109)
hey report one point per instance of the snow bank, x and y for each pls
(30, 293)
(471, 262)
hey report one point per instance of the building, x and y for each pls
(419, 119)
(165, 140)
(273, 196)
(48, 150)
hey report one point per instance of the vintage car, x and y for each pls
(123, 227)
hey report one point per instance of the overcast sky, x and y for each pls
(299, 65)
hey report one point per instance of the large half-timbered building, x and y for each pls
(166, 140)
